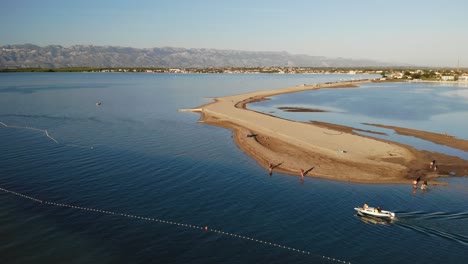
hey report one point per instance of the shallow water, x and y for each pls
(423, 106)
(136, 155)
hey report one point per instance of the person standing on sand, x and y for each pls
(302, 173)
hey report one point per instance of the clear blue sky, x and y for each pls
(424, 32)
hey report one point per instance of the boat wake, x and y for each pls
(430, 223)
(434, 215)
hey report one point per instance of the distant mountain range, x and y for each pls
(56, 56)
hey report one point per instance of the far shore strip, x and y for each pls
(333, 154)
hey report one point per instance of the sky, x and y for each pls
(417, 32)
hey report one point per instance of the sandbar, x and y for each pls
(325, 150)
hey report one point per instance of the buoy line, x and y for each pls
(204, 228)
(33, 128)
(46, 133)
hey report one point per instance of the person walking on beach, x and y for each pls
(302, 173)
(272, 166)
(432, 164)
(415, 182)
(302, 176)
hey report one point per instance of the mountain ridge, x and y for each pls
(57, 56)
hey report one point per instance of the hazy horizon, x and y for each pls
(426, 33)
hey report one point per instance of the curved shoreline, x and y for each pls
(331, 153)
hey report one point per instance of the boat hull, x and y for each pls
(375, 213)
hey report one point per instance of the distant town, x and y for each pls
(460, 75)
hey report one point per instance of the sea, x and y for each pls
(103, 168)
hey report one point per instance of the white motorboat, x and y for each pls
(375, 212)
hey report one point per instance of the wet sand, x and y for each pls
(334, 152)
(438, 138)
(299, 109)
(420, 166)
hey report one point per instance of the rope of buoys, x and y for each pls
(46, 133)
(203, 228)
(33, 128)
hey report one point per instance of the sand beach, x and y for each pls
(327, 150)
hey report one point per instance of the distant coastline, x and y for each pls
(214, 70)
(388, 74)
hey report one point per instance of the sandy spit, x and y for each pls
(324, 150)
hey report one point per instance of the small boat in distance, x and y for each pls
(98, 103)
(375, 212)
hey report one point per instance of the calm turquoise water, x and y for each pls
(135, 154)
